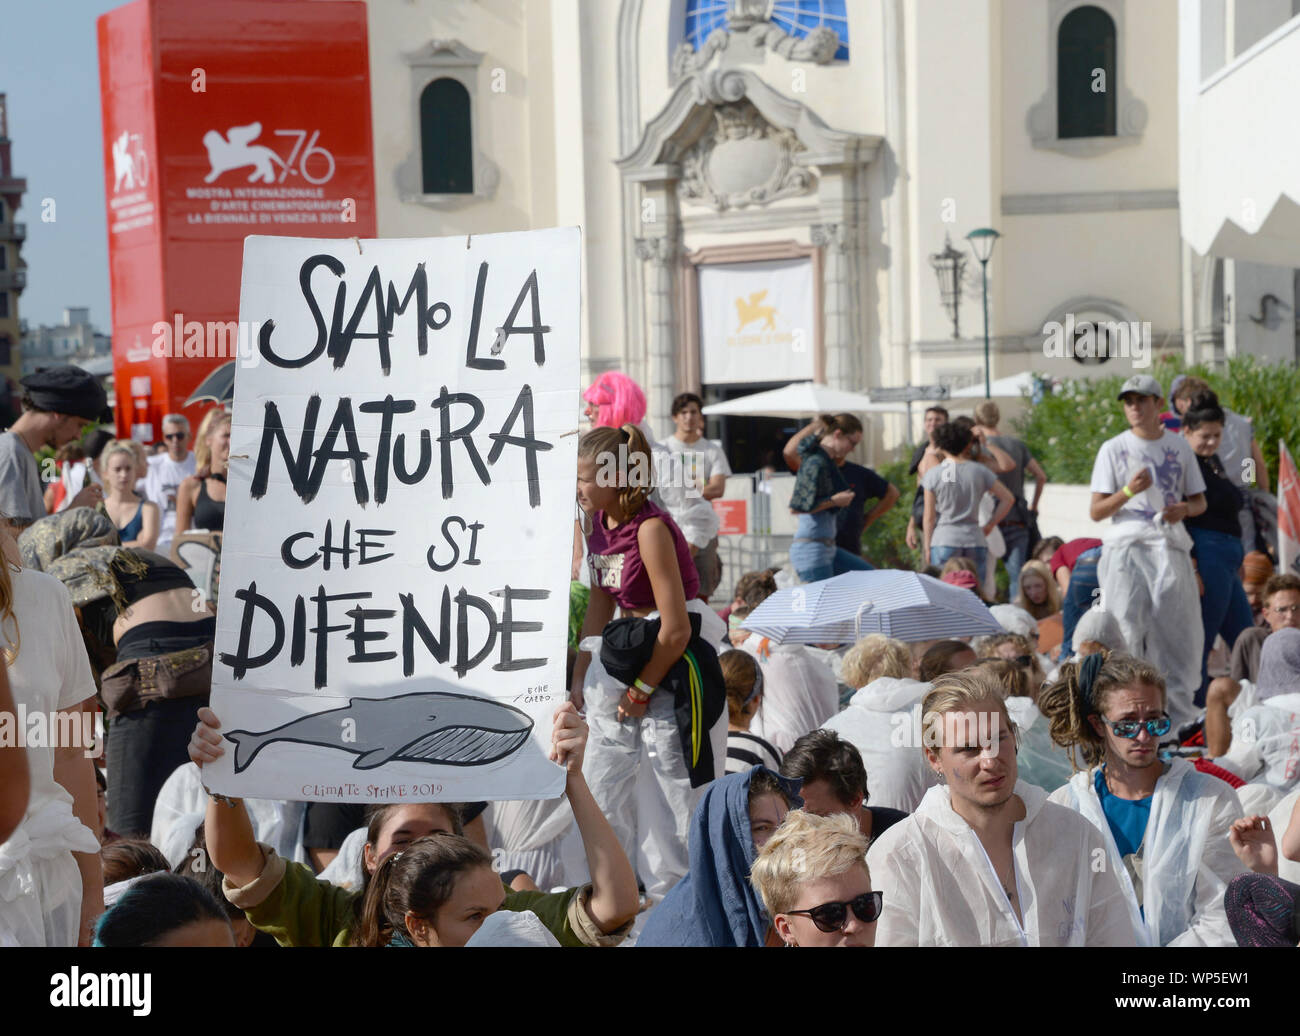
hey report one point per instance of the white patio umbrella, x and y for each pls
(907, 606)
(802, 399)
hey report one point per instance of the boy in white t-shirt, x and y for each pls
(1148, 481)
(703, 473)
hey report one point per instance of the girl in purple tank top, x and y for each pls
(639, 562)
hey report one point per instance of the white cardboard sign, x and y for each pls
(393, 608)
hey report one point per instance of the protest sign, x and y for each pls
(393, 606)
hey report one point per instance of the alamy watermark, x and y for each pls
(36, 729)
(75, 988)
(626, 469)
(945, 729)
(207, 339)
(1098, 340)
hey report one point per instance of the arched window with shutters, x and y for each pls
(1087, 108)
(445, 166)
(1086, 79)
(446, 138)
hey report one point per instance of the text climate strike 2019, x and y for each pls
(402, 456)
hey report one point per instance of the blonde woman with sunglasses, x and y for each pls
(814, 882)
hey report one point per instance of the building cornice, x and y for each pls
(1088, 201)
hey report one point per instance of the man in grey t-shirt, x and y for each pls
(58, 404)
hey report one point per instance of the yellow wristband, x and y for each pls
(1128, 492)
(641, 685)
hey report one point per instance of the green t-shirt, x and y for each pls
(304, 911)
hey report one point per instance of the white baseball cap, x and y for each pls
(1143, 385)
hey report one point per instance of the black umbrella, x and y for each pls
(219, 386)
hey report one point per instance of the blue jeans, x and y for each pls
(979, 555)
(816, 561)
(1016, 537)
(1224, 608)
(144, 747)
(1080, 596)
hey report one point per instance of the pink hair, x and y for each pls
(619, 398)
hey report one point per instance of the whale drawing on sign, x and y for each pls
(432, 727)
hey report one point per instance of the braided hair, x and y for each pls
(1080, 692)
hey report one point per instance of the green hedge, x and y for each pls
(885, 543)
(1066, 428)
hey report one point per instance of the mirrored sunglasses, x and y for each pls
(1129, 728)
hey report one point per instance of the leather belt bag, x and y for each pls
(128, 686)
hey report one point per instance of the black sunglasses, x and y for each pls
(174, 435)
(832, 917)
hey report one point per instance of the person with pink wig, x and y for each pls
(614, 400)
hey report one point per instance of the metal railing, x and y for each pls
(13, 231)
(13, 279)
(752, 553)
(757, 549)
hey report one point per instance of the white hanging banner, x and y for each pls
(757, 321)
(393, 609)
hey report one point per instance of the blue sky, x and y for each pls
(49, 70)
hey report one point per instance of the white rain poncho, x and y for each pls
(941, 890)
(637, 770)
(1279, 664)
(1013, 619)
(1266, 743)
(538, 837)
(1039, 760)
(40, 883)
(1101, 627)
(1187, 860)
(833, 659)
(1148, 584)
(800, 692)
(513, 928)
(182, 804)
(883, 722)
(348, 868)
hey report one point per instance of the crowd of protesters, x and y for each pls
(1120, 766)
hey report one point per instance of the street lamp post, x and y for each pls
(981, 243)
(949, 265)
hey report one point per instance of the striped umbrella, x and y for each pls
(907, 606)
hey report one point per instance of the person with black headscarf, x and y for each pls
(58, 405)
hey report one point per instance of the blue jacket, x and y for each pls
(715, 905)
